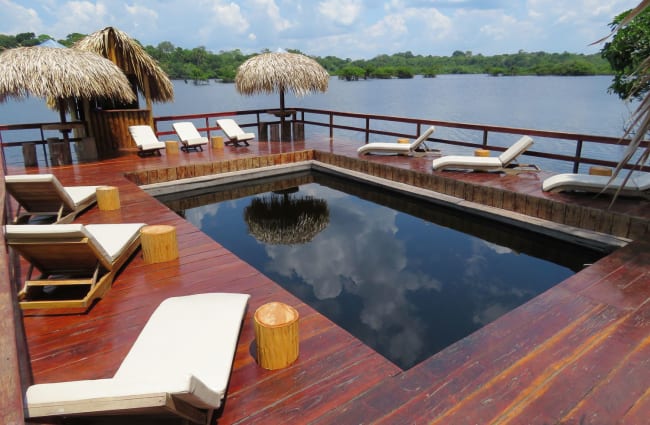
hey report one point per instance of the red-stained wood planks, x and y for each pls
(575, 354)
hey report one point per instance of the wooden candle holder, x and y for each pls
(158, 243)
(276, 333)
(108, 198)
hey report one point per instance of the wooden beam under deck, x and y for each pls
(575, 354)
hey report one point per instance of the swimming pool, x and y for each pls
(406, 277)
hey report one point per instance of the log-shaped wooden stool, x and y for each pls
(217, 142)
(108, 198)
(600, 171)
(276, 333)
(403, 140)
(171, 146)
(481, 152)
(158, 243)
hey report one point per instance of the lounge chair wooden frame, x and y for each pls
(43, 195)
(74, 260)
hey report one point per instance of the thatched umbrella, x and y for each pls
(281, 71)
(129, 55)
(282, 219)
(60, 74)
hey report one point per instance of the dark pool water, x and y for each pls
(406, 277)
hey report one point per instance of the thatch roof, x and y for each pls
(280, 219)
(61, 74)
(129, 55)
(281, 71)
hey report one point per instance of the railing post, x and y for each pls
(331, 125)
(207, 126)
(485, 138)
(367, 129)
(576, 162)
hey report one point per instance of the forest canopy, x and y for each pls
(200, 64)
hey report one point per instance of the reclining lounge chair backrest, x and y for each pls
(186, 131)
(39, 193)
(423, 137)
(230, 128)
(515, 150)
(59, 248)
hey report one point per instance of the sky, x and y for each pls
(348, 29)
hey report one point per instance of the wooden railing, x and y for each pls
(481, 136)
(474, 135)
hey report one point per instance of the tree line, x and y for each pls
(199, 64)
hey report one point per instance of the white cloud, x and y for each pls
(17, 19)
(229, 15)
(272, 11)
(344, 28)
(344, 12)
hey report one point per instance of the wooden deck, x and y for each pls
(577, 354)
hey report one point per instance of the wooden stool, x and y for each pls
(403, 140)
(29, 154)
(108, 198)
(171, 146)
(276, 333)
(481, 152)
(600, 171)
(158, 243)
(217, 142)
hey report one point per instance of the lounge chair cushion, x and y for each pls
(185, 350)
(188, 134)
(71, 196)
(233, 131)
(396, 147)
(638, 182)
(65, 398)
(486, 163)
(109, 240)
(145, 138)
(515, 150)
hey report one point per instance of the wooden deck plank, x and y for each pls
(577, 353)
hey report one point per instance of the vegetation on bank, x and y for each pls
(199, 64)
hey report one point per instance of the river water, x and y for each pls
(571, 104)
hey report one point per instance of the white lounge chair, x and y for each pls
(77, 263)
(503, 162)
(638, 185)
(233, 132)
(180, 364)
(44, 195)
(190, 137)
(398, 148)
(146, 140)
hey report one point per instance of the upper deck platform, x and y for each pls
(575, 354)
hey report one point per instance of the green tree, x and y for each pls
(629, 47)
